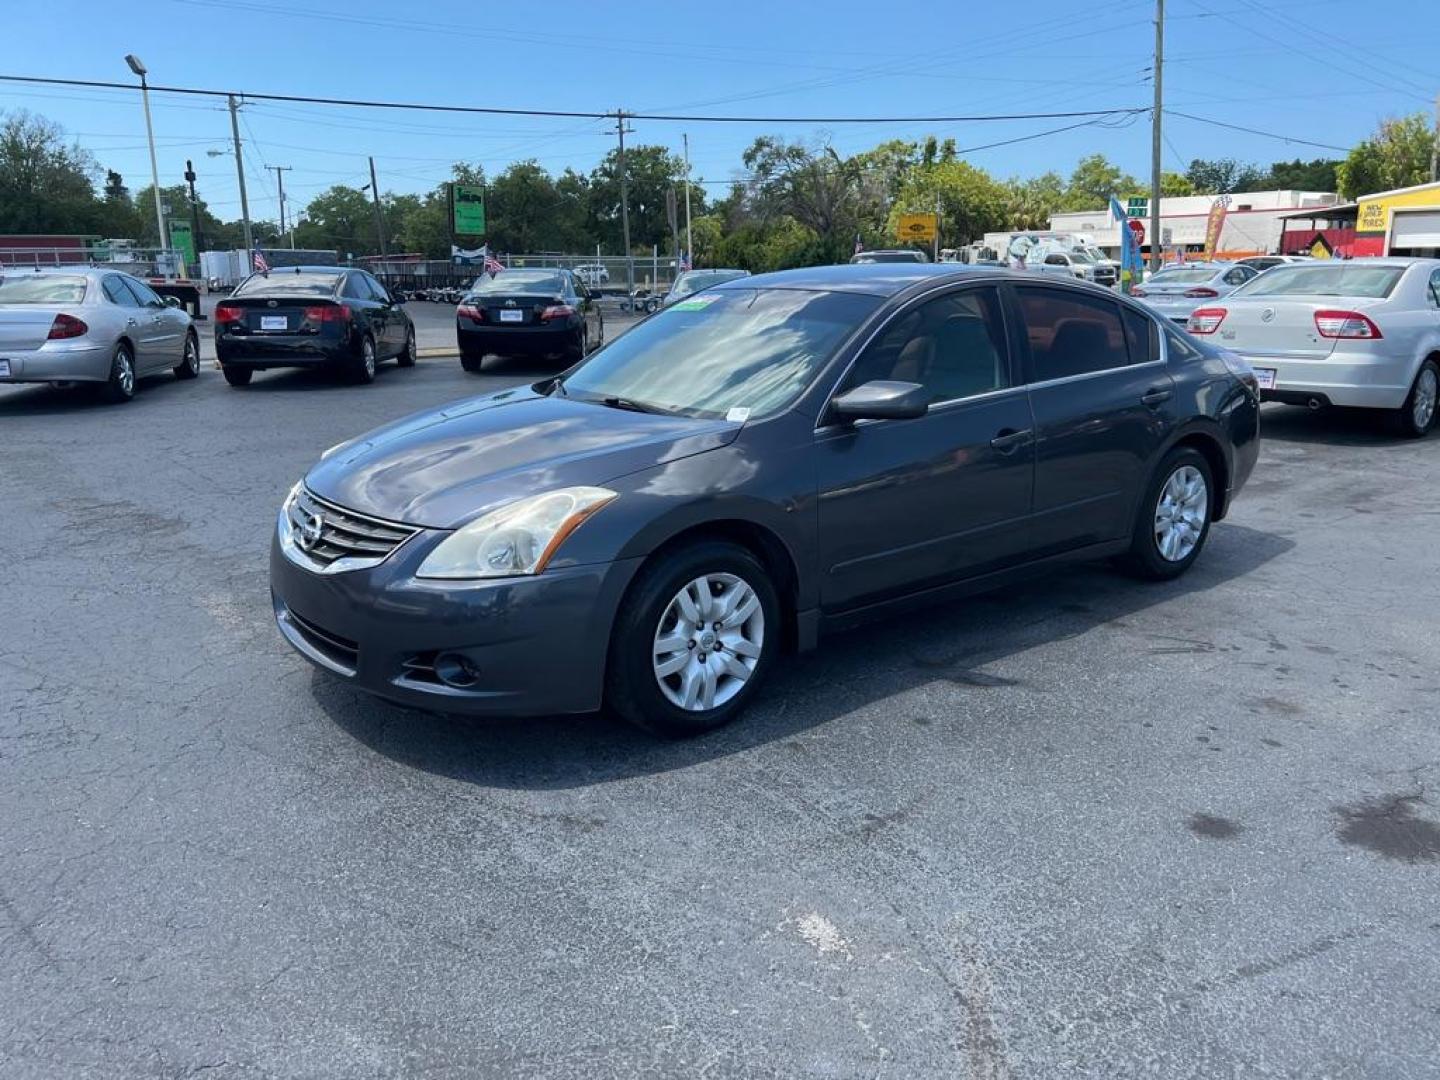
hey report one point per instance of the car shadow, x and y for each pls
(307, 379)
(954, 643)
(44, 399)
(1332, 426)
(523, 367)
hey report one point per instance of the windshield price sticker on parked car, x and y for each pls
(695, 303)
(4, 369)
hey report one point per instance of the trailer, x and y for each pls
(223, 270)
(164, 271)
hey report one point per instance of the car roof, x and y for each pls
(874, 279)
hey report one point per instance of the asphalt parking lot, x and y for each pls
(1082, 828)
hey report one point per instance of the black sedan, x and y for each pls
(755, 465)
(527, 312)
(309, 316)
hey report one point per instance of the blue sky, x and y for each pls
(1311, 70)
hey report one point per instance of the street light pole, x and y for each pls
(140, 69)
(625, 202)
(280, 171)
(240, 172)
(1156, 255)
(689, 236)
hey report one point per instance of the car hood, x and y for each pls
(441, 468)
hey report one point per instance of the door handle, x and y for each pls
(129, 322)
(1009, 440)
(1157, 396)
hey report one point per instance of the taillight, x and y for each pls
(469, 311)
(67, 326)
(1346, 324)
(1200, 292)
(328, 313)
(1137, 291)
(1206, 320)
(225, 314)
(556, 311)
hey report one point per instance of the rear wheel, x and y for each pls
(237, 376)
(471, 361)
(1174, 518)
(189, 365)
(120, 386)
(581, 348)
(408, 353)
(697, 633)
(363, 366)
(1417, 415)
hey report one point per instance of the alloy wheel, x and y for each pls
(192, 356)
(1426, 390)
(1180, 513)
(367, 357)
(125, 374)
(708, 642)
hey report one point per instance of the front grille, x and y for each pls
(341, 651)
(343, 534)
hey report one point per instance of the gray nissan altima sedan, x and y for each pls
(773, 458)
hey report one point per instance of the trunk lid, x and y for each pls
(516, 309)
(24, 327)
(279, 315)
(1271, 326)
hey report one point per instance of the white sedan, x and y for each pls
(1363, 333)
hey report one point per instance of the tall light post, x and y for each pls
(139, 69)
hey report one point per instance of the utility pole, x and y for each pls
(625, 203)
(690, 236)
(1435, 146)
(1155, 252)
(379, 218)
(280, 171)
(935, 240)
(194, 208)
(240, 172)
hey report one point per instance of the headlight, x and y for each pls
(516, 539)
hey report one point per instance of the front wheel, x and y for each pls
(697, 633)
(1417, 415)
(408, 354)
(189, 365)
(1174, 518)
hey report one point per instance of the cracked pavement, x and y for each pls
(1083, 827)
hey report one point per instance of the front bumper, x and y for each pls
(538, 643)
(533, 338)
(59, 361)
(1358, 380)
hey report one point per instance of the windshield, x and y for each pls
(288, 283)
(1081, 256)
(519, 281)
(722, 350)
(1185, 275)
(42, 289)
(1342, 279)
(693, 280)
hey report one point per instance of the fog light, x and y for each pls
(455, 670)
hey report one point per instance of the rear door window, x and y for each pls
(355, 288)
(143, 293)
(118, 294)
(1142, 337)
(1071, 333)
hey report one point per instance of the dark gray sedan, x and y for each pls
(757, 464)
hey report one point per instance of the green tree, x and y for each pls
(46, 183)
(1173, 185)
(177, 198)
(1223, 176)
(971, 201)
(1030, 203)
(1297, 175)
(653, 170)
(521, 208)
(341, 219)
(1094, 180)
(1396, 156)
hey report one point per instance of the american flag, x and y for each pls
(259, 262)
(492, 264)
(684, 261)
(859, 246)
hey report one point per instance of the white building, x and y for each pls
(1252, 224)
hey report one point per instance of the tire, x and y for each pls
(1417, 415)
(237, 376)
(1147, 557)
(652, 611)
(189, 366)
(362, 367)
(120, 386)
(407, 354)
(471, 361)
(581, 348)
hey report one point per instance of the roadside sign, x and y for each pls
(467, 209)
(1137, 206)
(1136, 226)
(916, 228)
(182, 240)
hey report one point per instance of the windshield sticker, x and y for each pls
(738, 415)
(695, 303)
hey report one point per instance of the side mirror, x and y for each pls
(172, 301)
(397, 298)
(882, 399)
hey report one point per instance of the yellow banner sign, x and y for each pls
(916, 228)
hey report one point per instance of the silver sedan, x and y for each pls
(1178, 290)
(94, 326)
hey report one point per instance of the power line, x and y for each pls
(576, 114)
(1257, 131)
